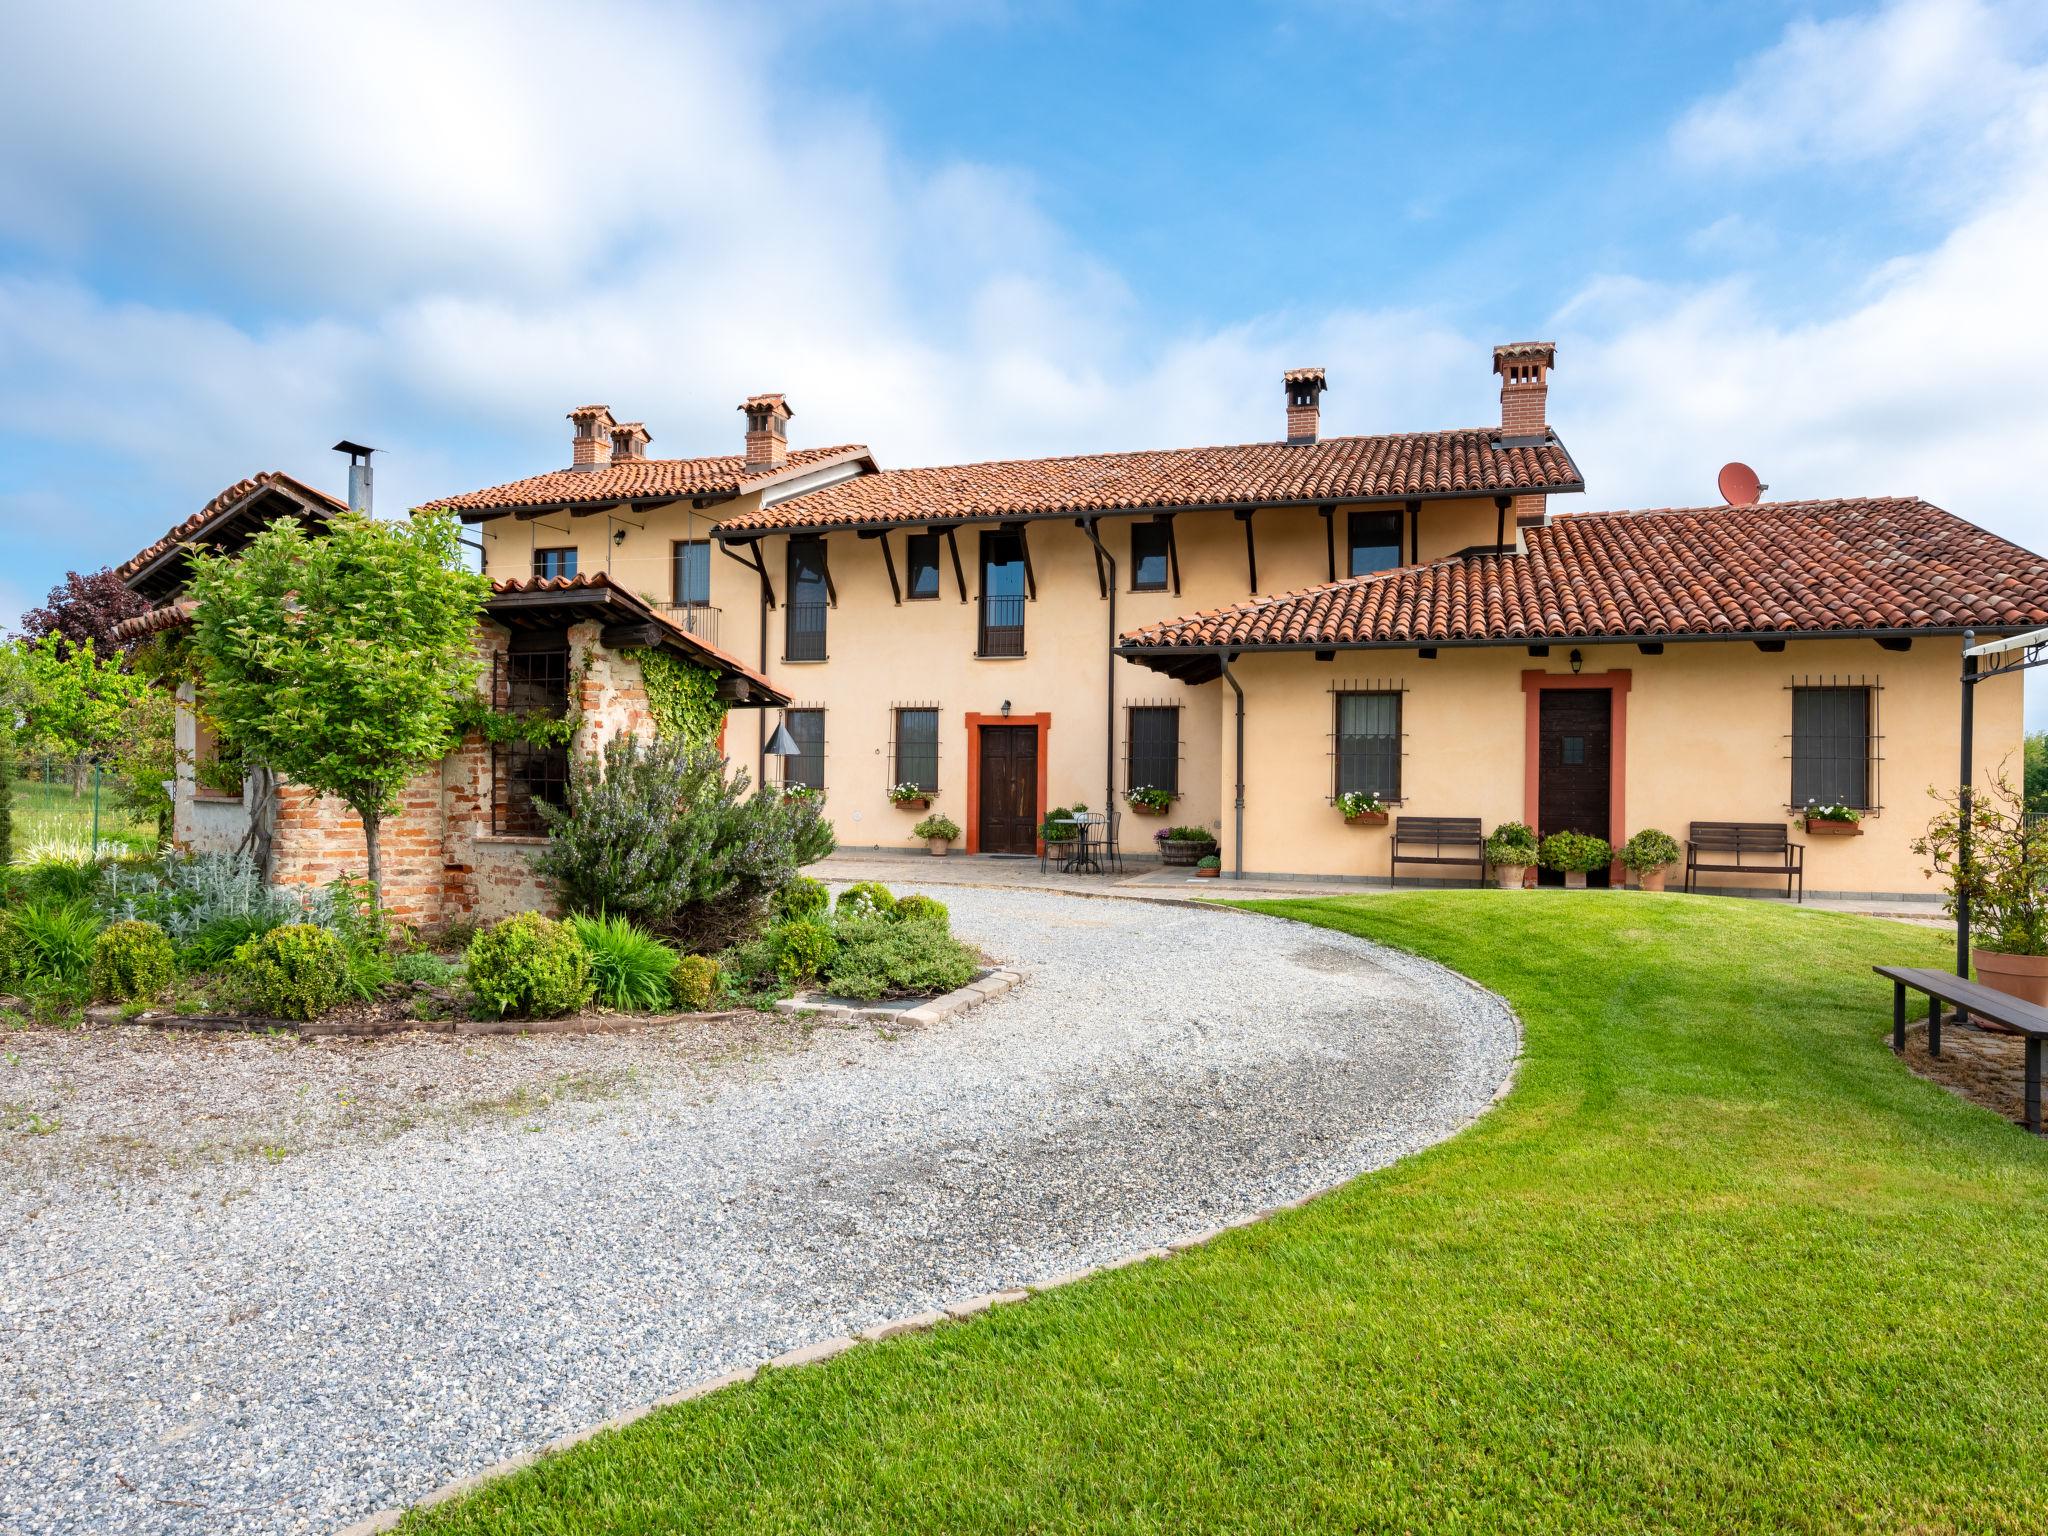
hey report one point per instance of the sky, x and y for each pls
(1806, 237)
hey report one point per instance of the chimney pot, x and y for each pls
(591, 448)
(1524, 369)
(629, 443)
(767, 432)
(1305, 388)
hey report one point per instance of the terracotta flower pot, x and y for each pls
(920, 803)
(1650, 879)
(1367, 819)
(1207, 874)
(1147, 810)
(1575, 879)
(1509, 877)
(1819, 828)
(937, 846)
(2022, 976)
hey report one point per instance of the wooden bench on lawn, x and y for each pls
(1736, 841)
(1970, 997)
(1458, 834)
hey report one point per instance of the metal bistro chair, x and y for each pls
(1087, 858)
(1112, 851)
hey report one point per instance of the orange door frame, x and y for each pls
(974, 724)
(1616, 682)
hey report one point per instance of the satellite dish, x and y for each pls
(1739, 485)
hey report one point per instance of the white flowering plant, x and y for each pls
(900, 794)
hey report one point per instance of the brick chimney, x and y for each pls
(1524, 369)
(767, 432)
(592, 446)
(629, 443)
(1305, 388)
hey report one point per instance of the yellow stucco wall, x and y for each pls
(1707, 739)
(1707, 729)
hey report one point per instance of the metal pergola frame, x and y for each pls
(2015, 653)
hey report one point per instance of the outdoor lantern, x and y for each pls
(781, 744)
(1006, 706)
(1578, 661)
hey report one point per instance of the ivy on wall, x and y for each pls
(683, 698)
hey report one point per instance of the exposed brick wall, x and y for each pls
(1303, 422)
(319, 839)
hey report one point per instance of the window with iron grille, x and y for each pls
(1149, 566)
(1154, 748)
(1368, 740)
(917, 748)
(921, 559)
(807, 765)
(1833, 747)
(550, 563)
(530, 680)
(1002, 594)
(1372, 542)
(692, 573)
(810, 595)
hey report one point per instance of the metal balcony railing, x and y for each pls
(803, 635)
(699, 619)
(1002, 626)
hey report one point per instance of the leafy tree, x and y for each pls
(73, 702)
(338, 661)
(83, 610)
(2037, 772)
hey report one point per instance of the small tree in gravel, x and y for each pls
(659, 833)
(337, 660)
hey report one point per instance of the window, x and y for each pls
(1369, 744)
(917, 748)
(807, 765)
(810, 595)
(531, 679)
(550, 563)
(921, 554)
(1154, 760)
(1002, 594)
(1149, 565)
(1372, 542)
(1831, 747)
(693, 573)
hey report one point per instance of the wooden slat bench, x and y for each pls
(1971, 997)
(1733, 842)
(1458, 834)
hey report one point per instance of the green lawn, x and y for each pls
(1718, 1263)
(46, 814)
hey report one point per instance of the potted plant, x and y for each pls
(1208, 866)
(2006, 876)
(1360, 809)
(938, 832)
(1056, 828)
(1647, 855)
(1147, 801)
(911, 797)
(1183, 845)
(1834, 820)
(804, 792)
(1574, 855)
(1511, 850)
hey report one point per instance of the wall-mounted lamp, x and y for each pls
(1006, 706)
(1578, 661)
(618, 535)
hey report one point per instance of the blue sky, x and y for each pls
(1807, 237)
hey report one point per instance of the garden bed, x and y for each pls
(394, 1017)
(992, 982)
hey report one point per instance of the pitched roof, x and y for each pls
(223, 508)
(596, 591)
(1793, 567)
(637, 480)
(1419, 464)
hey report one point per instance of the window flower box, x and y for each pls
(910, 797)
(1362, 810)
(1834, 821)
(1147, 801)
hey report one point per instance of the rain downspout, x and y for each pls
(1237, 837)
(1109, 745)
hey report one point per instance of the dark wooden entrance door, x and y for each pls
(1574, 732)
(1009, 789)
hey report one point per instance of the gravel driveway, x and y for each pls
(243, 1345)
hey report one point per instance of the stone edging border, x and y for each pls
(992, 983)
(385, 1520)
(320, 1029)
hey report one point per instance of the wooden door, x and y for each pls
(1574, 733)
(1009, 789)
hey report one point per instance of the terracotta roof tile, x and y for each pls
(1778, 567)
(1422, 464)
(221, 507)
(636, 480)
(172, 615)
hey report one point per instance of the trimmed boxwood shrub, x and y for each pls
(1574, 851)
(803, 948)
(879, 958)
(802, 897)
(864, 897)
(918, 907)
(132, 962)
(530, 966)
(694, 982)
(298, 971)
